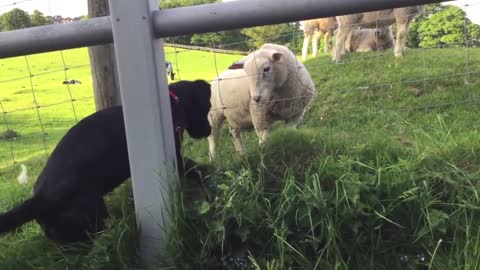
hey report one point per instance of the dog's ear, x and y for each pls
(197, 108)
(204, 88)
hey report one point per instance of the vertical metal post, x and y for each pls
(148, 122)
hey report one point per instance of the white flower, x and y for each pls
(23, 177)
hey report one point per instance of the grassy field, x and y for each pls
(383, 173)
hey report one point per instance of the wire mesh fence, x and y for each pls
(44, 95)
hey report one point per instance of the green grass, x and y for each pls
(379, 177)
(22, 93)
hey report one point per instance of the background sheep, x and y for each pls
(169, 69)
(401, 16)
(313, 29)
(272, 86)
(365, 40)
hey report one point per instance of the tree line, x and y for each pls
(440, 25)
(19, 19)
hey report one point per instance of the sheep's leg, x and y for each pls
(315, 39)
(403, 25)
(215, 122)
(326, 41)
(341, 35)
(262, 134)
(237, 140)
(293, 122)
(260, 123)
(306, 40)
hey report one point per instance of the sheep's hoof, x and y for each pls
(338, 61)
(399, 54)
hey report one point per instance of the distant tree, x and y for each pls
(233, 39)
(183, 3)
(474, 35)
(413, 39)
(277, 33)
(187, 39)
(15, 19)
(447, 26)
(48, 20)
(37, 18)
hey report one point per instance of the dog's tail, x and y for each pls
(18, 216)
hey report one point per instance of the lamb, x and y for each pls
(375, 19)
(272, 86)
(366, 40)
(313, 29)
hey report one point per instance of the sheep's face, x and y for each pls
(384, 38)
(266, 71)
(383, 33)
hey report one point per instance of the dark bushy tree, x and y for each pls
(278, 33)
(183, 3)
(229, 40)
(48, 20)
(37, 18)
(15, 19)
(444, 27)
(474, 35)
(186, 39)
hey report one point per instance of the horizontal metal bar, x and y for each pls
(188, 20)
(249, 13)
(56, 37)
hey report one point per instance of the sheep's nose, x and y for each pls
(256, 98)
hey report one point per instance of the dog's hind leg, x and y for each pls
(25, 212)
(82, 216)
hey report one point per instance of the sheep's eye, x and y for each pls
(267, 69)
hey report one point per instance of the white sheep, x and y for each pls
(273, 85)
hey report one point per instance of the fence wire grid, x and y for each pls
(41, 100)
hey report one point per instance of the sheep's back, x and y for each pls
(230, 97)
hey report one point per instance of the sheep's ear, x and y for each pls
(238, 64)
(277, 57)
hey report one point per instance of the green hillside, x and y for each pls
(383, 173)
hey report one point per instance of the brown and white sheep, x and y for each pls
(314, 29)
(375, 19)
(366, 40)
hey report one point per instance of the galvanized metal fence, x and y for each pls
(135, 28)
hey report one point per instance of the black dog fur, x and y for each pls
(91, 160)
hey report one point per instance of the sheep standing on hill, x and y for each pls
(402, 17)
(314, 29)
(272, 86)
(366, 40)
(169, 69)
